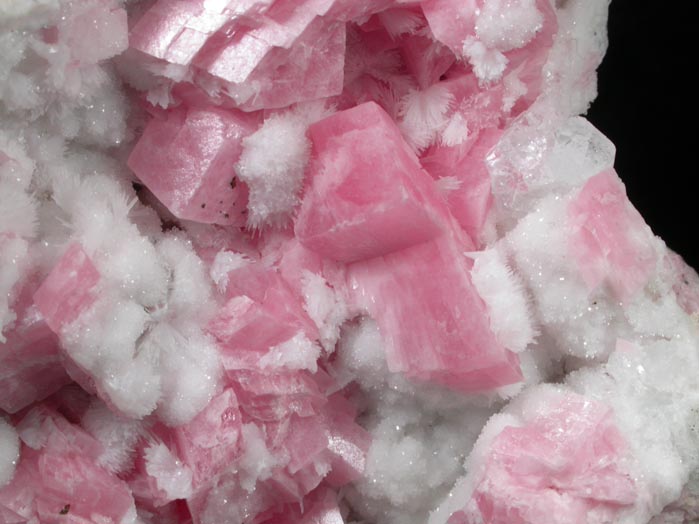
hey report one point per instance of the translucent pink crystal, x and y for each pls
(368, 195)
(31, 370)
(563, 464)
(249, 44)
(186, 159)
(348, 443)
(97, 33)
(177, 30)
(611, 242)
(30, 365)
(317, 75)
(276, 396)
(426, 58)
(320, 438)
(472, 200)
(59, 475)
(68, 290)
(451, 21)
(434, 322)
(210, 442)
(262, 312)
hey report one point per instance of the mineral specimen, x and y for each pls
(330, 262)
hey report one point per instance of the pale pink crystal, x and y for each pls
(316, 75)
(186, 157)
(68, 290)
(435, 324)
(97, 33)
(261, 312)
(236, 47)
(210, 441)
(58, 474)
(348, 442)
(30, 364)
(320, 438)
(611, 242)
(296, 260)
(472, 199)
(305, 441)
(346, 10)
(275, 396)
(451, 21)
(425, 58)
(563, 464)
(177, 30)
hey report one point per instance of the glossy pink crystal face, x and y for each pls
(368, 195)
(471, 203)
(330, 261)
(434, 322)
(246, 49)
(186, 157)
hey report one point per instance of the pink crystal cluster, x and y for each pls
(555, 467)
(334, 211)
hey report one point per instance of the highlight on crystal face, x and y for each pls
(330, 262)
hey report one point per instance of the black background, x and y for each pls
(647, 106)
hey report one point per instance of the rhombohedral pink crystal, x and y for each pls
(330, 262)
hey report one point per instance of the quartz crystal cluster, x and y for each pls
(330, 262)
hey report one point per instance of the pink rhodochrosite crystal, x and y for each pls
(368, 195)
(59, 472)
(330, 262)
(68, 290)
(30, 359)
(435, 323)
(185, 158)
(565, 464)
(611, 243)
